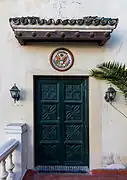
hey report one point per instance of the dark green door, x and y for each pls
(61, 121)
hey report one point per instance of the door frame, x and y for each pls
(73, 78)
(95, 116)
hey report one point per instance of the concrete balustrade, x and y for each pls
(6, 151)
(13, 154)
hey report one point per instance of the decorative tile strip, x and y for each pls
(66, 169)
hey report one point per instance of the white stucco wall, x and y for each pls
(18, 64)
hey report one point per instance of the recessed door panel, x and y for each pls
(61, 121)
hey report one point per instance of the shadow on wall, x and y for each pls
(115, 39)
(23, 95)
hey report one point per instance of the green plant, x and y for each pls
(113, 72)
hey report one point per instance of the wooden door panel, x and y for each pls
(47, 124)
(61, 121)
(74, 122)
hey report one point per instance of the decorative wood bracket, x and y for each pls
(35, 29)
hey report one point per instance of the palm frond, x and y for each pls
(113, 68)
(113, 72)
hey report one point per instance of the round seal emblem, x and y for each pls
(62, 59)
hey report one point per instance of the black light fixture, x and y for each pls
(15, 93)
(110, 94)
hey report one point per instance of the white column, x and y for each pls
(18, 131)
(3, 172)
(10, 168)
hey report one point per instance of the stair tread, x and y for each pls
(34, 175)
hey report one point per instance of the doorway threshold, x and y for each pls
(62, 169)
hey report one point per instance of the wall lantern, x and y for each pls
(110, 94)
(15, 93)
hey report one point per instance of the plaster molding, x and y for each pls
(16, 128)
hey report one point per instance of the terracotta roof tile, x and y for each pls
(88, 20)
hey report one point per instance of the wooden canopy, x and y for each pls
(35, 29)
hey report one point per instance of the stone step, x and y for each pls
(34, 175)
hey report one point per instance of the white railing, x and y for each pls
(6, 151)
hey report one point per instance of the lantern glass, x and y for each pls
(15, 93)
(110, 94)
